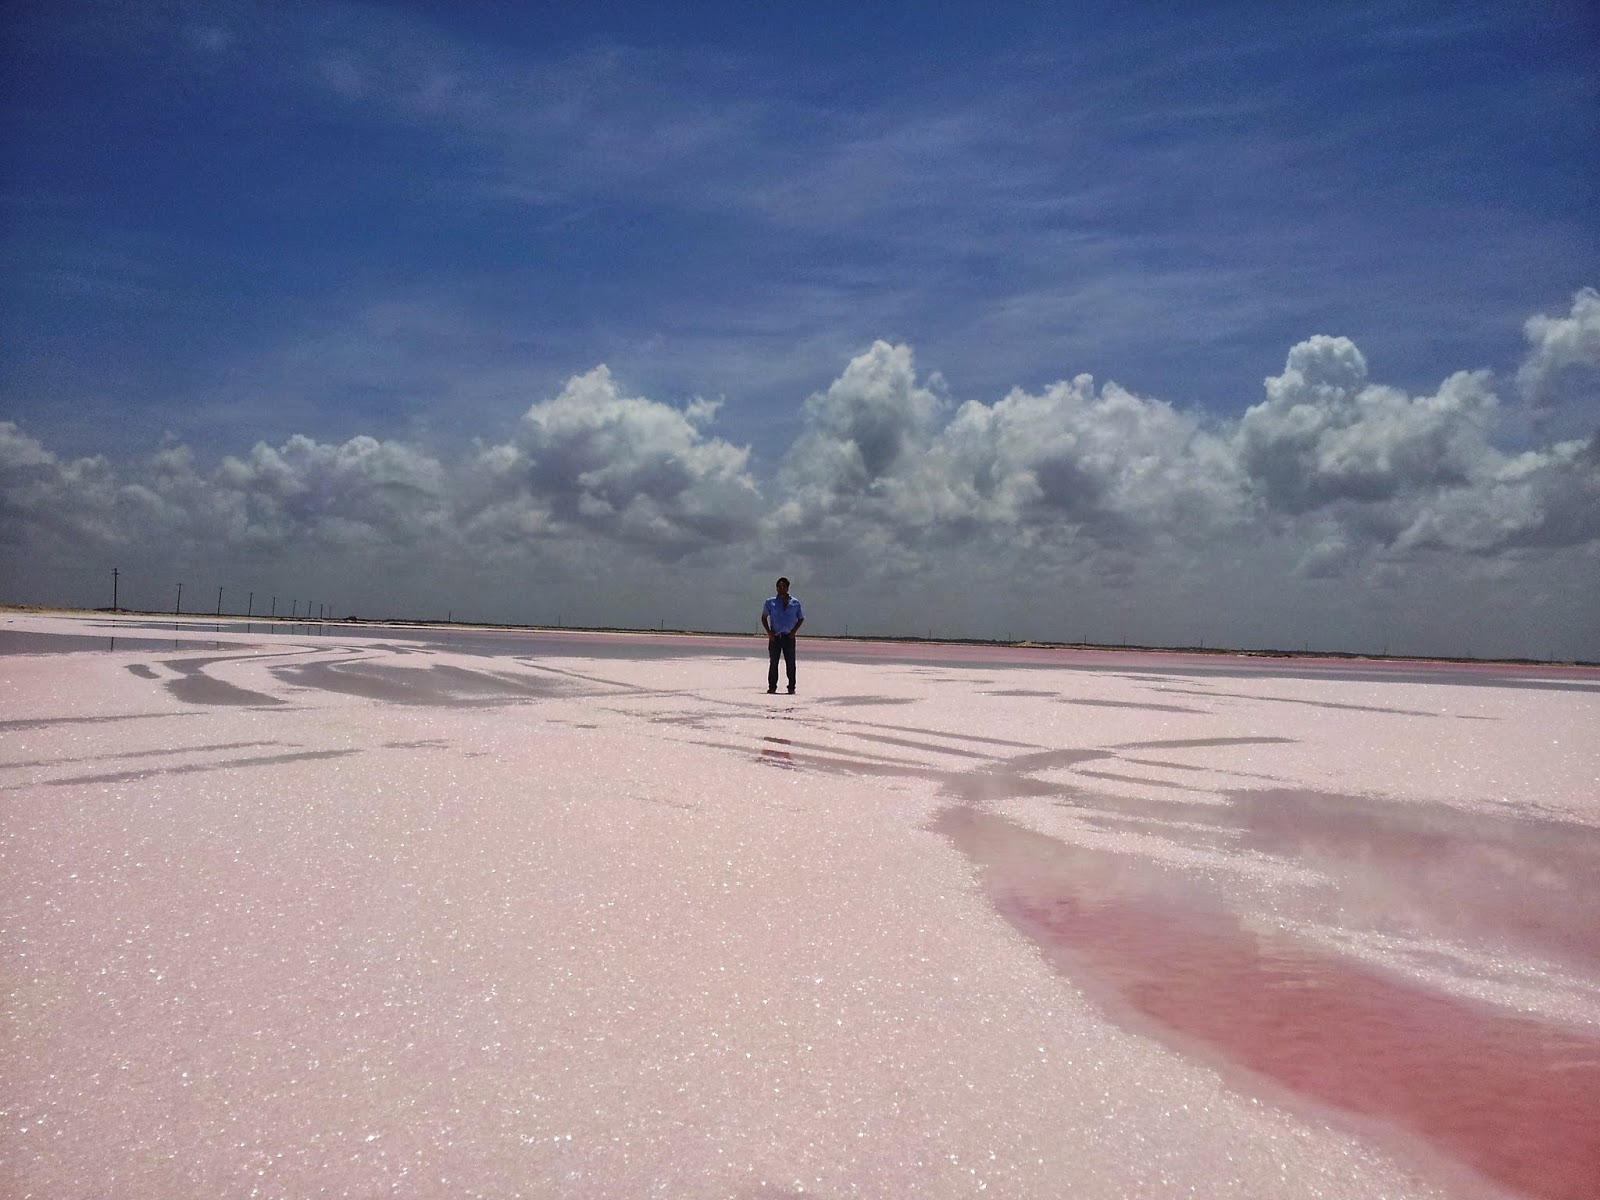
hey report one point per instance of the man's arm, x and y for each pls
(765, 624)
(797, 625)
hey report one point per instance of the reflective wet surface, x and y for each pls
(15, 641)
(1361, 899)
(1145, 665)
(1514, 1097)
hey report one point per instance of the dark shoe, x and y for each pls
(772, 691)
(791, 691)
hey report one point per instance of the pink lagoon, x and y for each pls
(292, 911)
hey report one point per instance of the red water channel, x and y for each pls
(1513, 1097)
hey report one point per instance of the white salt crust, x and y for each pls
(658, 933)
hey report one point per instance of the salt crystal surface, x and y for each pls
(287, 915)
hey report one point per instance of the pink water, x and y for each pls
(1517, 1099)
(344, 915)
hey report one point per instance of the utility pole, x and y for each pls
(294, 607)
(274, 608)
(250, 606)
(219, 602)
(114, 606)
(178, 608)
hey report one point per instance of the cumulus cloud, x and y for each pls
(67, 503)
(361, 496)
(1561, 348)
(1334, 485)
(625, 467)
(858, 439)
(1332, 478)
(1108, 464)
(1069, 463)
(360, 492)
(1367, 470)
(1546, 498)
(591, 483)
(1325, 434)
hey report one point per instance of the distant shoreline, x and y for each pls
(893, 639)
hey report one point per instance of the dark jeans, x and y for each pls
(782, 644)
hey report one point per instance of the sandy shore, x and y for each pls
(352, 915)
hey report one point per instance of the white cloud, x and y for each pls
(1079, 509)
(1363, 469)
(628, 467)
(591, 462)
(1325, 434)
(1561, 346)
(864, 427)
(1109, 464)
(1547, 498)
(1070, 463)
(68, 504)
(21, 454)
(361, 491)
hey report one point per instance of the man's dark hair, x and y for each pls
(782, 579)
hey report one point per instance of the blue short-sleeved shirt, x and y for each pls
(782, 620)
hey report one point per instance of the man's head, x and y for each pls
(783, 586)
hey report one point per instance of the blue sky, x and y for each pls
(228, 224)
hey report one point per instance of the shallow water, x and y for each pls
(1142, 665)
(15, 641)
(593, 915)
(1513, 1096)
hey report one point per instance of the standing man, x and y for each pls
(781, 618)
